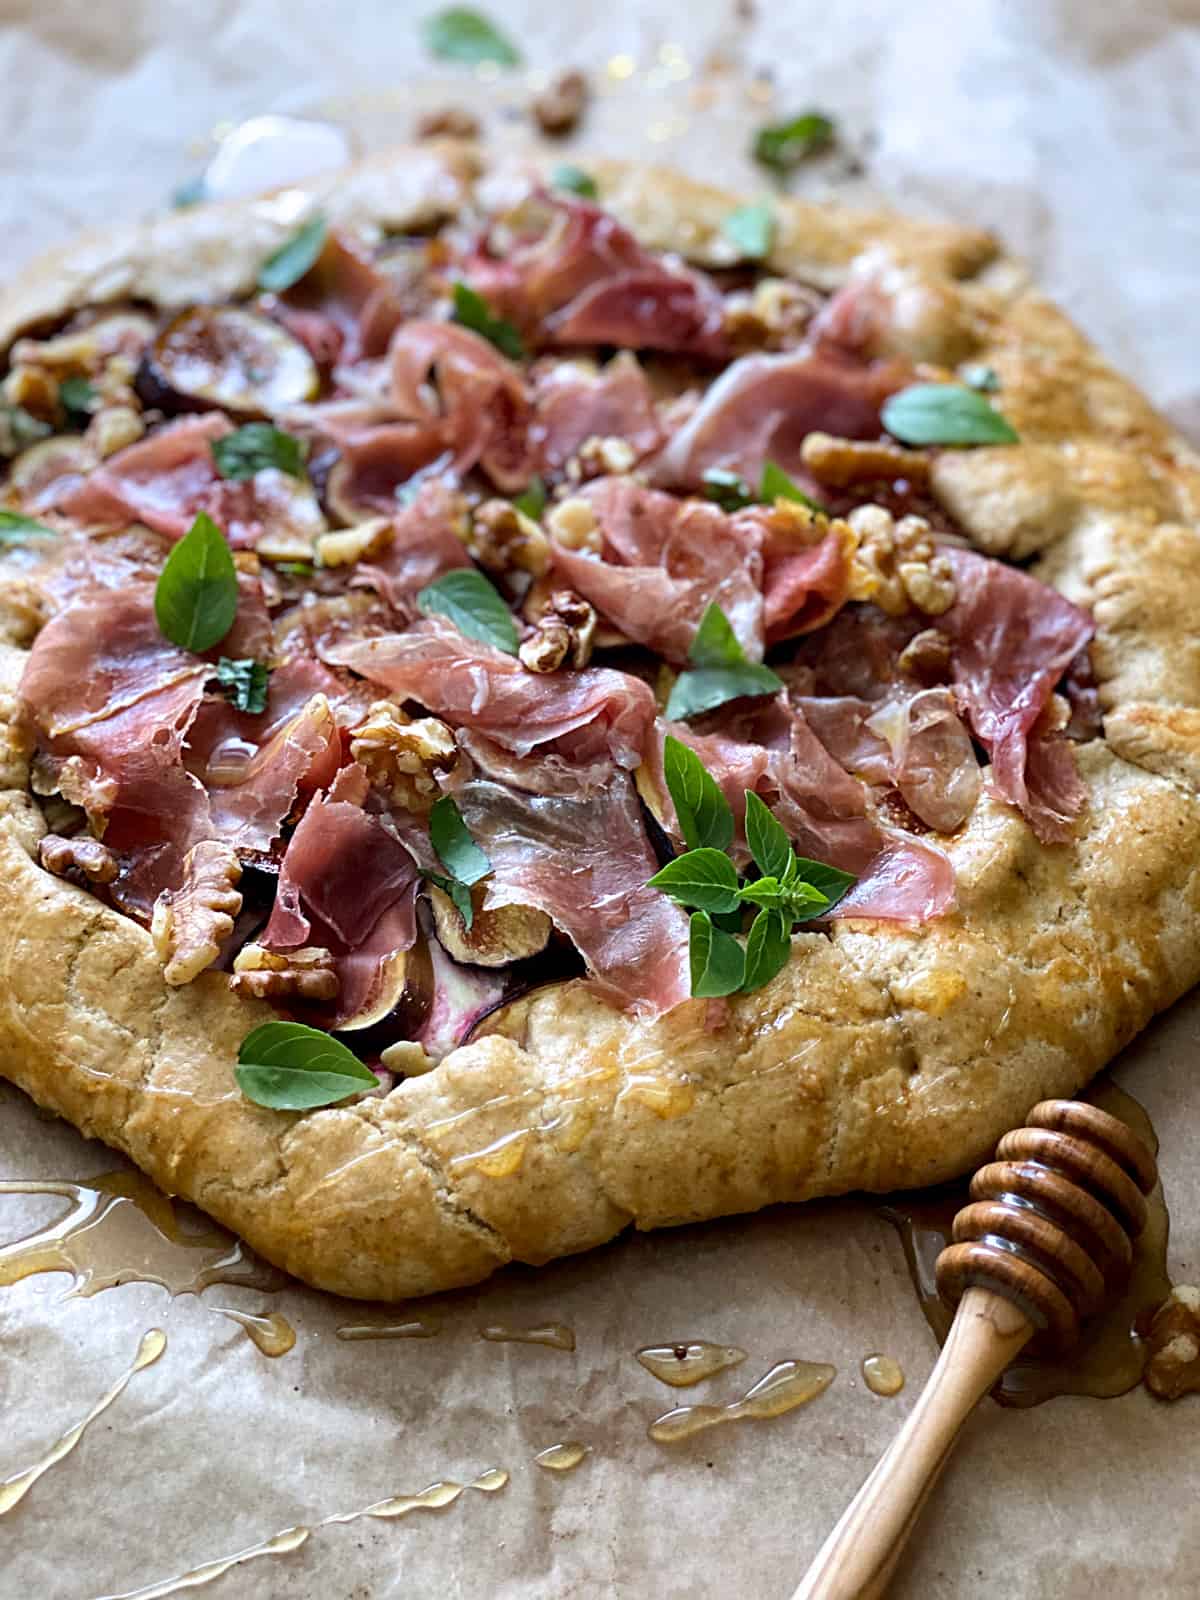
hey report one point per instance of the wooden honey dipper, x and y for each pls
(1048, 1236)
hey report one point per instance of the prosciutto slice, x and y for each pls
(344, 308)
(424, 546)
(804, 583)
(577, 714)
(1012, 639)
(573, 405)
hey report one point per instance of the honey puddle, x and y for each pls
(417, 1328)
(786, 1386)
(882, 1375)
(13, 1490)
(1110, 1357)
(564, 1457)
(682, 1365)
(554, 1334)
(272, 1333)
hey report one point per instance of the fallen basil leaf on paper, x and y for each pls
(473, 605)
(768, 945)
(782, 146)
(288, 1066)
(245, 683)
(751, 229)
(705, 819)
(717, 960)
(575, 180)
(472, 311)
(16, 528)
(195, 599)
(255, 447)
(705, 879)
(294, 258)
(460, 34)
(945, 413)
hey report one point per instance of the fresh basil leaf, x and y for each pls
(255, 447)
(244, 682)
(452, 840)
(191, 192)
(715, 644)
(784, 145)
(290, 1067)
(15, 528)
(729, 921)
(459, 34)
(703, 811)
(767, 838)
(730, 491)
(717, 960)
(768, 947)
(704, 878)
(708, 687)
(978, 375)
(751, 229)
(532, 502)
(800, 900)
(575, 180)
(945, 413)
(294, 569)
(195, 599)
(295, 256)
(473, 605)
(776, 485)
(829, 881)
(472, 311)
(78, 396)
(459, 893)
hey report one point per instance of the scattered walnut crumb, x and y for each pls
(496, 936)
(404, 758)
(364, 542)
(33, 390)
(79, 857)
(449, 122)
(774, 315)
(558, 108)
(1173, 1344)
(599, 456)
(190, 922)
(898, 565)
(839, 462)
(304, 974)
(573, 523)
(505, 540)
(563, 635)
(926, 657)
(112, 428)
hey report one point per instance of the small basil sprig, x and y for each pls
(288, 1066)
(574, 180)
(752, 230)
(703, 811)
(475, 607)
(782, 146)
(295, 256)
(945, 413)
(15, 528)
(255, 447)
(464, 861)
(459, 34)
(719, 670)
(532, 501)
(732, 493)
(472, 311)
(79, 398)
(195, 599)
(244, 682)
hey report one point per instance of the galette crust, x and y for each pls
(882, 1057)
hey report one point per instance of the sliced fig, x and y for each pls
(462, 997)
(45, 472)
(496, 937)
(398, 1003)
(227, 357)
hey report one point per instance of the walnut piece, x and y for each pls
(926, 657)
(562, 636)
(600, 455)
(1173, 1345)
(839, 462)
(363, 542)
(898, 565)
(190, 922)
(505, 540)
(112, 428)
(451, 122)
(496, 936)
(304, 974)
(404, 758)
(407, 1057)
(558, 108)
(79, 856)
(33, 390)
(774, 315)
(573, 524)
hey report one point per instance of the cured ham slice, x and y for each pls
(424, 545)
(805, 576)
(573, 405)
(344, 308)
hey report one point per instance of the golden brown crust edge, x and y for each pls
(881, 1058)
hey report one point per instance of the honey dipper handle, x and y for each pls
(858, 1558)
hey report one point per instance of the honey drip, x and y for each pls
(272, 1333)
(279, 1544)
(417, 1328)
(13, 1490)
(1110, 1356)
(786, 1386)
(443, 1493)
(882, 1375)
(554, 1334)
(119, 1228)
(564, 1457)
(682, 1365)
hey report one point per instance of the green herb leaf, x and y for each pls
(15, 528)
(459, 34)
(978, 375)
(717, 960)
(294, 569)
(473, 605)
(290, 1067)
(768, 841)
(294, 258)
(705, 819)
(796, 900)
(78, 396)
(191, 192)
(721, 670)
(195, 599)
(784, 145)
(767, 949)
(244, 682)
(730, 491)
(472, 311)
(776, 485)
(575, 180)
(532, 502)
(459, 893)
(715, 643)
(255, 447)
(828, 881)
(751, 229)
(451, 838)
(704, 878)
(945, 413)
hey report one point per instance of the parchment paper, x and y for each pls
(1071, 128)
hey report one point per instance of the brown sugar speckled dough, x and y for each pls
(880, 1057)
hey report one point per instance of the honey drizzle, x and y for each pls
(13, 1490)
(563, 1457)
(417, 1328)
(269, 1331)
(554, 1334)
(279, 1544)
(882, 1375)
(682, 1365)
(788, 1384)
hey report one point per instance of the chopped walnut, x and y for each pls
(1173, 1345)
(573, 524)
(496, 936)
(79, 784)
(926, 657)
(600, 455)
(774, 315)
(112, 428)
(190, 922)
(363, 542)
(839, 462)
(81, 856)
(563, 635)
(304, 974)
(451, 122)
(24, 607)
(33, 390)
(16, 746)
(898, 565)
(408, 1058)
(505, 540)
(404, 758)
(558, 108)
